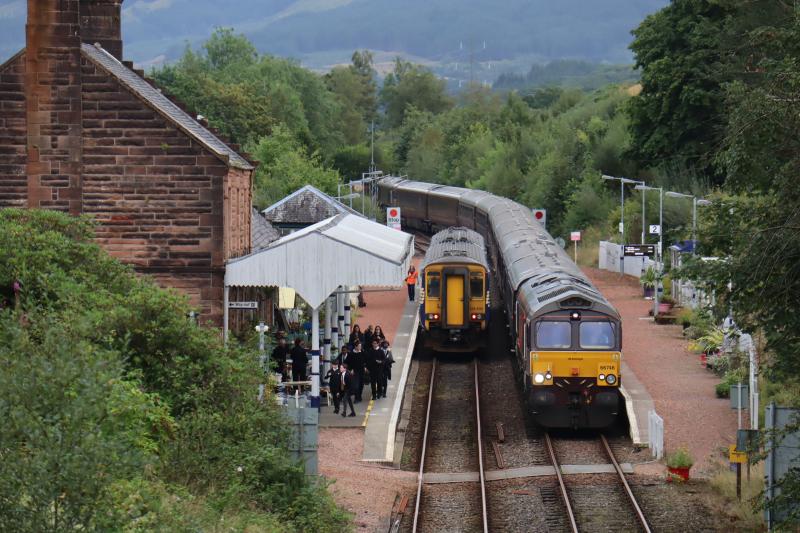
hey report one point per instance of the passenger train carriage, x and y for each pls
(455, 291)
(567, 336)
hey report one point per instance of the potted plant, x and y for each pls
(678, 464)
(665, 305)
(648, 281)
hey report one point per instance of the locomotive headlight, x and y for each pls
(611, 379)
(548, 376)
(601, 377)
(538, 379)
(435, 316)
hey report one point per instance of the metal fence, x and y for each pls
(655, 426)
(610, 255)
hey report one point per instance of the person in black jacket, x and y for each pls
(299, 361)
(334, 376)
(368, 336)
(378, 374)
(280, 355)
(356, 335)
(357, 358)
(387, 352)
(348, 391)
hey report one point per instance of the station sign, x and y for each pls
(541, 216)
(639, 250)
(575, 236)
(243, 305)
(655, 229)
(393, 217)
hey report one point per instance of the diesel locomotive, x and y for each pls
(454, 300)
(567, 337)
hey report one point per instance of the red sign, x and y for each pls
(575, 236)
(393, 212)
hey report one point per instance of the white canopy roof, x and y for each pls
(342, 250)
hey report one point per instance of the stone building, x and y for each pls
(82, 132)
(304, 207)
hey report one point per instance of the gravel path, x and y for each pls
(682, 390)
(365, 489)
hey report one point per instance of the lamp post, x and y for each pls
(622, 182)
(695, 202)
(660, 259)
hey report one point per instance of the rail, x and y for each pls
(561, 485)
(421, 473)
(637, 509)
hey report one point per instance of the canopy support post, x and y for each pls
(225, 301)
(343, 335)
(347, 313)
(326, 359)
(334, 326)
(315, 358)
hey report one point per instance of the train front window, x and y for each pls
(476, 286)
(597, 335)
(554, 334)
(434, 285)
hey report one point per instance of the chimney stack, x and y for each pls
(100, 23)
(53, 104)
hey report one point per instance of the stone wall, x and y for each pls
(13, 136)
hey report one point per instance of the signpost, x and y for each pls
(242, 305)
(575, 236)
(393, 217)
(541, 216)
(638, 250)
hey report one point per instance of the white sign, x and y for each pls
(655, 229)
(541, 216)
(243, 305)
(575, 236)
(621, 228)
(393, 217)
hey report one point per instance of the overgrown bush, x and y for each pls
(121, 415)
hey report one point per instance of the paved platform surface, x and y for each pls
(682, 390)
(638, 404)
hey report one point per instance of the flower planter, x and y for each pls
(678, 473)
(649, 292)
(664, 309)
(703, 360)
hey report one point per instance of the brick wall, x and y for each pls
(13, 136)
(157, 194)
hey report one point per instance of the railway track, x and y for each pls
(451, 445)
(570, 495)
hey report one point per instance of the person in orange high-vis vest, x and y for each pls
(411, 281)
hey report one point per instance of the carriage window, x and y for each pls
(434, 285)
(597, 335)
(553, 334)
(476, 286)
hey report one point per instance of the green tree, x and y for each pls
(412, 85)
(679, 114)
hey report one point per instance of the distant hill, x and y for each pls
(324, 32)
(567, 73)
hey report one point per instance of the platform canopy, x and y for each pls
(345, 249)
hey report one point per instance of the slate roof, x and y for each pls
(307, 205)
(163, 105)
(261, 232)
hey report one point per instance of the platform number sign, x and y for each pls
(393, 217)
(541, 216)
(655, 229)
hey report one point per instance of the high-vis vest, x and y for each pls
(412, 278)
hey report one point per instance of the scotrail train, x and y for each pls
(454, 300)
(567, 336)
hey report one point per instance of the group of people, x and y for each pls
(356, 364)
(366, 357)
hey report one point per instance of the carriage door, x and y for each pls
(455, 300)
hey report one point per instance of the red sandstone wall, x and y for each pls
(13, 179)
(157, 194)
(238, 213)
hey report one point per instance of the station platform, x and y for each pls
(379, 418)
(638, 404)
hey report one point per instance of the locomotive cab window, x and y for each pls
(476, 286)
(554, 334)
(597, 335)
(433, 285)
